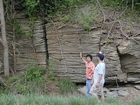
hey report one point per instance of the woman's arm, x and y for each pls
(81, 56)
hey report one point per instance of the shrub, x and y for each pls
(31, 82)
(22, 89)
(34, 73)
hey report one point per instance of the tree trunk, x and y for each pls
(132, 5)
(3, 31)
(14, 39)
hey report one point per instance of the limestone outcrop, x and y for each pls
(30, 45)
(66, 41)
(62, 43)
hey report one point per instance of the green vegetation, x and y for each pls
(68, 11)
(82, 12)
(67, 86)
(108, 41)
(51, 68)
(66, 19)
(118, 3)
(88, 16)
(28, 83)
(72, 11)
(35, 99)
(34, 73)
(127, 9)
(60, 6)
(13, 79)
(34, 8)
(33, 81)
(17, 27)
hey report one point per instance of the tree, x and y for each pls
(3, 40)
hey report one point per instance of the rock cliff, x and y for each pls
(61, 43)
(66, 41)
(28, 50)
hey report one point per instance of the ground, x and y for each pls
(133, 94)
(52, 88)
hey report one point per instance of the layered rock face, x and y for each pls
(27, 50)
(65, 42)
(64, 46)
(130, 59)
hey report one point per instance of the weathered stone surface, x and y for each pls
(39, 43)
(137, 87)
(65, 44)
(66, 41)
(129, 59)
(83, 90)
(116, 89)
(113, 66)
(123, 93)
(137, 82)
(112, 94)
(0, 65)
(106, 90)
(28, 50)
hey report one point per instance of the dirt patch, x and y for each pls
(52, 88)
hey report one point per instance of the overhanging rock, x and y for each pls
(130, 59)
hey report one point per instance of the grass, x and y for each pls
(35, 81)
(67, 86)
(30, 82)
(35, 99)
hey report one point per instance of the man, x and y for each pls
(89, 71)
(98, 78)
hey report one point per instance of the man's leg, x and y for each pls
(93, 92)
(88, 86)
(102, 92)
(102, 98)
(95, 96)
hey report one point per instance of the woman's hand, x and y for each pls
(81, 55)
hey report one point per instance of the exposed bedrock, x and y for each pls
(65, 42)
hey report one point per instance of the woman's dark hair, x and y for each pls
(89, 56)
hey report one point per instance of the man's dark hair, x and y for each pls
(89, 56)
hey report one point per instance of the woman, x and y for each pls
(90, 66)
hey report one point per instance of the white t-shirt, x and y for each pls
(100, 69)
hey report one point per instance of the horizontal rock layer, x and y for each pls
(28, 50)
(65, 43)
